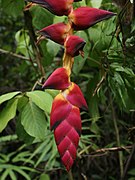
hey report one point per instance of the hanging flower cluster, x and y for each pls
(65, 114)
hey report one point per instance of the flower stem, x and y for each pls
(120, 154)
(68, 61)
(70, 175)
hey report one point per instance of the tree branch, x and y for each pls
(103, 151)
(2, 51)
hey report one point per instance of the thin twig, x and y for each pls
(38, 82)
(128, 162)
(117, 137)
(99, 84)
(101, 152)
(36, 49)
(2, 51)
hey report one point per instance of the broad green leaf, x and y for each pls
(47, 57)
(38, 22)
(44, 177)
(22, 102)
(22, 134)
(52, 92)
(58, 19)
(8, 96)
(33, 120)
(8, 113)
(22, 40)
(96, 3)
(13, 7)
(52, 48)
(78, 64)
(42, 99)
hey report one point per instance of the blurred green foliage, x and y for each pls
(106, 76)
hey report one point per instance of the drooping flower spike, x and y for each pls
(85, 17)
(65, 117)
(57, 7)
(66, 122)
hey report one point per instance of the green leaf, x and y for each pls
(8, 113)
(42, 99)
(44, 177)
(96, 3)
(40, 148)
(8, 96)
(22, 134)
(33, 120)
(13, 7)
(52, 48)
(132, 172)
(8, 138)
(12, 175)
(22, 39)
(22, 102)
(38, 12)
(78, 64)
(93, 101)
(47, 57)
(5, 174)
(44, 153)
(52, 92)
(20, 171)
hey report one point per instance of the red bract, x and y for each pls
(67, 137)
(74, 95)
(85, 17)
(56, 32)
(59, 80)
(57, 7)
(74, 45)
(60, 110)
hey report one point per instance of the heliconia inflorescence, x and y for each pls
(65, 117)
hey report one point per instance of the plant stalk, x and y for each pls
(70, 175)
(120, 154)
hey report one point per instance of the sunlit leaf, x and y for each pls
(8, 113)
(33, 120)
(42, 99)
(6, 97)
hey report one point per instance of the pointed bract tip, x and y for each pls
(59, 8)
(85, 17)
(58, 80)
(56, 32)
(74, 95)
(74, 45)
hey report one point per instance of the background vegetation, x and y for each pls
(106, 76)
